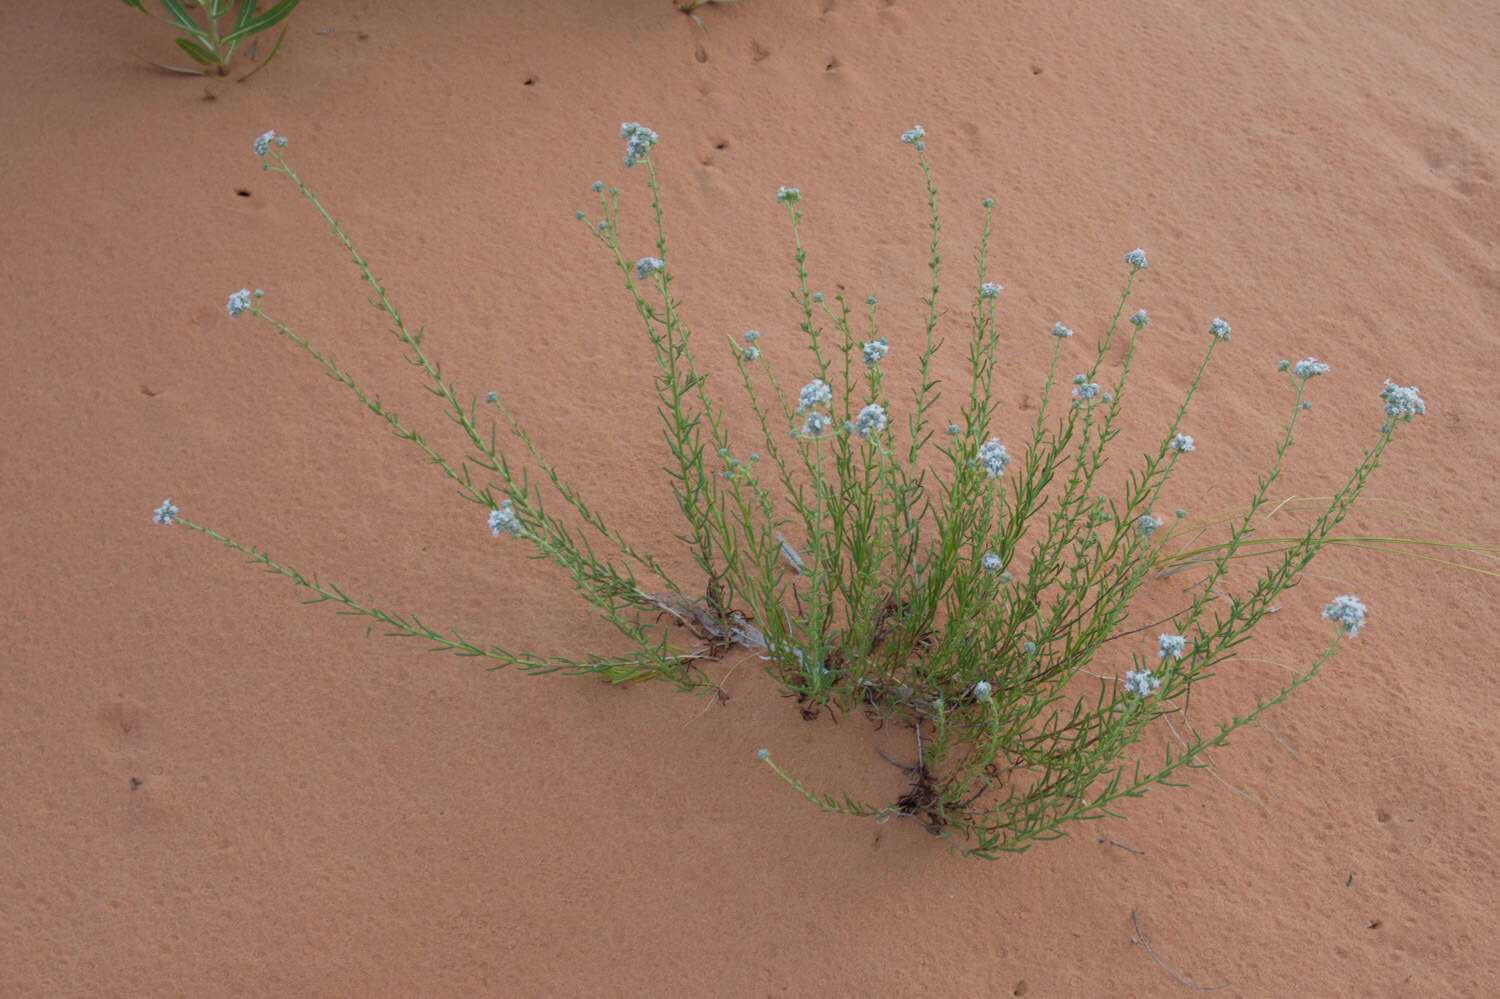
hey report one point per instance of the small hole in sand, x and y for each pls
(242, 192)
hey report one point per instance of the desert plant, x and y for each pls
(205, 43)
(881, 559)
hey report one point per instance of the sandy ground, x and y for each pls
(210, 790)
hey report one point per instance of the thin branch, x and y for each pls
(1140, 938)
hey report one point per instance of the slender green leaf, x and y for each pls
(263, 21)
(197, 51)
(245, 16)
(134, 3)
(184, 20)
(269, 56)
(174, 69)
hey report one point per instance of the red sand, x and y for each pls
(318, 813)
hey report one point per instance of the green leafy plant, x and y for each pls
(882, 558)
(209, 45)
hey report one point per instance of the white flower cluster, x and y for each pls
(1141, 684)
(1347, 612)
(1402, 402)
(1219, 328)
(993, 457)
(1181, 443)
(874, 352)
(505, 521)
(1084, 390)
(1059, 330)
(239, 302)
(646, 266)
(1309, 368)
(871, 420)
(263, 142)
(815, 424)
(1170, 645)
(1136, 258)
(990, 289)
(915, 136)
(165, 513)
(638, 141)
(814, 394)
